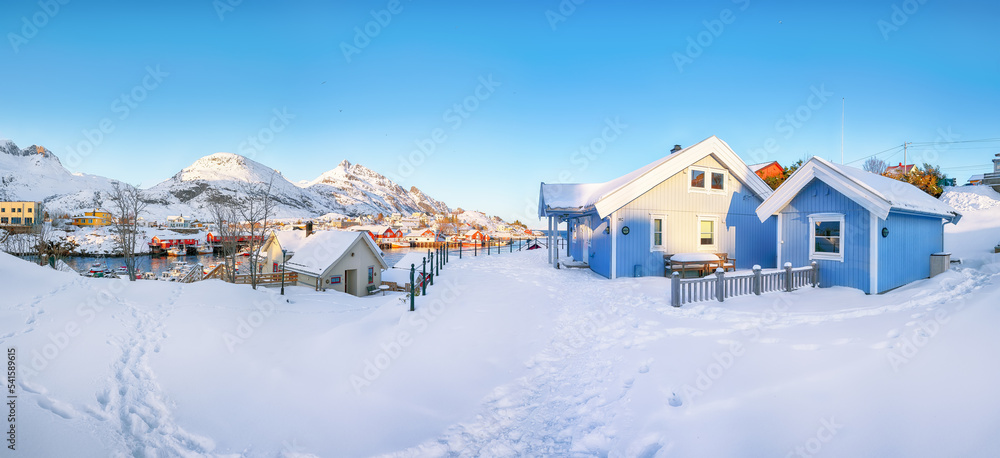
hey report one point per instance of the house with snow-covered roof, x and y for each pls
(697, 199)
(864, 230)
(345, 261)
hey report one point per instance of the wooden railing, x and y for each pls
(269, 279)
(721, 286)
(219, 272)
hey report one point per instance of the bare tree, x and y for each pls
(256, 210)
(874, 165)
(126, 207)
(225, 216)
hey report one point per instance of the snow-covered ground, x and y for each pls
(509, 357)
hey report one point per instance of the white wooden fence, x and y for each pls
(719, 287)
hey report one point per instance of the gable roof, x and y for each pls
(876, 193)
(612, 195)
(315, 254)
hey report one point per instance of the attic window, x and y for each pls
(707, 180)
(697, 178)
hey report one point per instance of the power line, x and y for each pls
(900, 147)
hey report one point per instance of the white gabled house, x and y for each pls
(345, 261)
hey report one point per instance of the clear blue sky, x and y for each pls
(933, 69)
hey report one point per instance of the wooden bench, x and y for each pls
(702, 267)
(726, 262)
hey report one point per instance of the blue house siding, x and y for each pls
(739, 232)
(600, 249)
(818, 197)
(904, 255)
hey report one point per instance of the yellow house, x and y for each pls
(94, 218)
(20, 213)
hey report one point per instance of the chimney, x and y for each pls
(676, 149)
(996, 164)
(309, 228)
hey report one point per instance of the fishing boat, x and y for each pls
(400, 244)
(176, 251)
(204, 249)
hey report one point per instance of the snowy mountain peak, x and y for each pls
(228, 167)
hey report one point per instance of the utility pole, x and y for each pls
(904, 156)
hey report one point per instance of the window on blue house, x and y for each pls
(827, 236)
(656, 223)
(707, 239)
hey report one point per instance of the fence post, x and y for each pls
(437, 270)
(756, 279)
(675, 289)
(413, 286)
(720, 284)
(815, 274)
(459, 250)
(788, 277)
(423, 279)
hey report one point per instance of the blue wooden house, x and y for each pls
(864, 230)
(698, 199)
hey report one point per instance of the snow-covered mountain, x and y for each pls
(34, 173)
(362, 191)
(350, 189)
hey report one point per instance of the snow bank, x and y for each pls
(970, 198)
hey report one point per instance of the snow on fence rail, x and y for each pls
(722, 287)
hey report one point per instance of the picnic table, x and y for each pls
(701, 263)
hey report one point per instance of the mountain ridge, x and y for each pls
(35, 173)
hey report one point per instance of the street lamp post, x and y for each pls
(283, 252)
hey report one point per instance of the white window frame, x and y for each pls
(715, 233)
(826, 218)
(663, 232)
(708, 171)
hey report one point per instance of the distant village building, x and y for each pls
(899, 170)
(94, 218)
(345, 261)
(768, 170)
(993, 179)
(20, 213)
